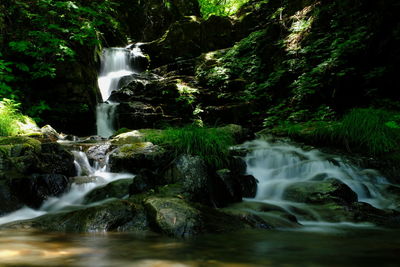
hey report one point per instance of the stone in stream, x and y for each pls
(115, 215)
(320, 192)
(134, 157)
(35, 189)
(116, 189)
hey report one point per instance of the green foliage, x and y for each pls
(211, 144)
(372, 131)
(220, 7)
(45, 32)
(12, 122)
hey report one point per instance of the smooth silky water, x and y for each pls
(275, 165)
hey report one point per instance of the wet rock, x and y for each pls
(116, 215)
(134, 157)
(116, 189)
(262, 215)
(37, 188)
(98, 153)
(8, 201)
(50, 133)
(144, 181)
(192, 173)
(173, 217)
(86, 179)
(128, 138)
(319, 192)
(55, 159)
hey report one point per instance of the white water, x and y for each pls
(279, 165)
(96, 175)
(114, 66)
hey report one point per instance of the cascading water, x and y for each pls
(91, 177)
(115, 64)
(277, 166)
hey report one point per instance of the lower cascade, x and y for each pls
(89, 176)
(307, 183)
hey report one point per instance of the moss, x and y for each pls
(135, 148)
(121, 131)
(19, 140)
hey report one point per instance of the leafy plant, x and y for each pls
(12, 122)
(220, 7)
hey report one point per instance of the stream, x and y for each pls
(277, 166)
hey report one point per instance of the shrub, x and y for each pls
(12, 122)
(211, 144)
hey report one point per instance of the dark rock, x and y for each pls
(192, 173)
(8, 201)
(116, 189)
(144, 181)
(139, 63)
(116, 215)
(320, 192)
(55, 159)
(216, 33)
(37, 188)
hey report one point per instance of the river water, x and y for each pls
(341, 246)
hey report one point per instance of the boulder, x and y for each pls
(37, 188)
(8, 200)
(116, 189)
(134, 157)
(115, 215)
(320, 192)
(173, 217)
(192, 173)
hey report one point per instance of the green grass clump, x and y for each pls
(374, 130)
(366, 130)
(211, 144)
(9, 118)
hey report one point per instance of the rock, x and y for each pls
(55, 159)
(8, 201)
(98, 153)
(148, 20)
(86, 179)
(50, 133)
(216, 33)
(262, 215)
(173, 217)
(192, 173)
(37, 188)
(144, 181)
(320, 192)
(128, 138)
(139, 63)
(116, 189)
(115, 215)
(134, 157)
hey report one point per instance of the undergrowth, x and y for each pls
(368, 130)
(211, 144)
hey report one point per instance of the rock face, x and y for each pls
(31, 171)
(148, 20)
(189, 38)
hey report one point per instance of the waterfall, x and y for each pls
(277, 166)
(115, 64)
(90, 176)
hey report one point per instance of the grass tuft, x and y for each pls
(211, 144)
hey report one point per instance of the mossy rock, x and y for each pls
(320, 192)
(116, 189)
(128, 138)
(115, 215)
(173, 217)
(16, 145)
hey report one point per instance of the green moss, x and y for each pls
(134, 148)
(19, 140)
